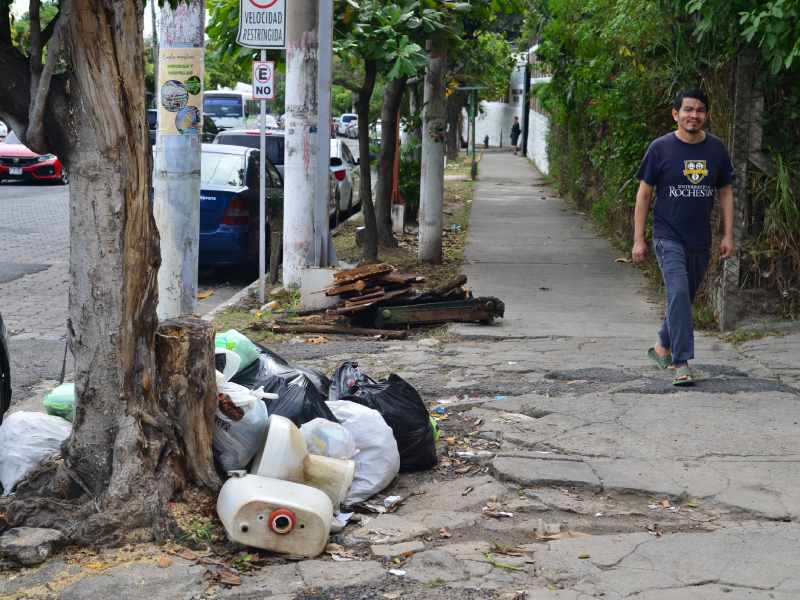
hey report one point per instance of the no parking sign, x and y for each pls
(263, 80)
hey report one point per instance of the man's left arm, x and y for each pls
(727, 245)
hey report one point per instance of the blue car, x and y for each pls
(229, 204)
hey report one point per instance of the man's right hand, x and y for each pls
(639, 251)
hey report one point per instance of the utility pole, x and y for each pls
(526, 106)
(301, 164)
(432, 179)
(176, 172)
(324, 254)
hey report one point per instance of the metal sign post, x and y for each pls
(263, 89)
(262, 24)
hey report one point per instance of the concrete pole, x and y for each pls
(301, 147)
(176, 172)
(432, 178)
(322, 241)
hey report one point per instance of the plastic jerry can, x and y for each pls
(275, 515)
(285, 456)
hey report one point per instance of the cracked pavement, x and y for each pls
(618, 485)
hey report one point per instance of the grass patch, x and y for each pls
(740, 336)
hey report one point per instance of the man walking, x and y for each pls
(685, 167)
(515, 131)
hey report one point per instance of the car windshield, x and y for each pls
(348, 118)
(222, 169)
(274, 144)
(223, 106)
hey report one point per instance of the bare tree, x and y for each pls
(139, 433)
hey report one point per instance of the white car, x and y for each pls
(347, 185)
(344, 121)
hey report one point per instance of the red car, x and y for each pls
(19, 163)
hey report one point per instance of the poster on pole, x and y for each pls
(263, 80)
(262, 24)
(180, 90)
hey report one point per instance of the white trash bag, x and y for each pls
(378, 460)
(241, 429)
(327, 438)
(26, 439)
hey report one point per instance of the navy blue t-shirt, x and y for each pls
(685, 177)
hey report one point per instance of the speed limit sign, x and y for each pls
(263, 80)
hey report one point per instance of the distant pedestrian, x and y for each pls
(515, 132)
(685, 167)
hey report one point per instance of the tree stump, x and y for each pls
(187, 392)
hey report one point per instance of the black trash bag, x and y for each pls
(270, 365)
(301, 392)
(299, 401)
(401, 407)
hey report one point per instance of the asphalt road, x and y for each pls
(34, 280)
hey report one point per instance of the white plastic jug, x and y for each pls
(285, 456)
(275, 515)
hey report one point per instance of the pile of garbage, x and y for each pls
(294, 446)
(299, 446)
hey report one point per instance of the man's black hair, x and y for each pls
(695, 93)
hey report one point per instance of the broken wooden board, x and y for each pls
(364, 272)
(481, 310)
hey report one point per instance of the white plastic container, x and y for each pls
(285, 456)
(275, 515)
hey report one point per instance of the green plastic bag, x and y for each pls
(435, 426)
(61, 402)
(236, 342)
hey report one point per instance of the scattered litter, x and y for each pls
(467, 490)
(205, 295)
(391, 503)
(339, 553)
(391, 595)
(583, 556)
(655, 530)
(692, 504)
(598, 514)
(397, 572)
(622, 259)
(240, 426)
(340, 520)
(665, 503)
(439, 410)
(444, 533)
(26, 439)
(496, 514)
(164, 561)
(320, 339)
(653, 506)
(501, 397)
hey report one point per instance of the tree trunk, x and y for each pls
(432, 179)
(390, 113)
(454, 105)
(129, 451)
(370, 247)
(415, 108)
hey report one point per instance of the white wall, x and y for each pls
(493, 119)
(538, 127)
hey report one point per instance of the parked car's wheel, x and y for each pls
(64, 176)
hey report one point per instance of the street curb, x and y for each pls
(235, 299)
